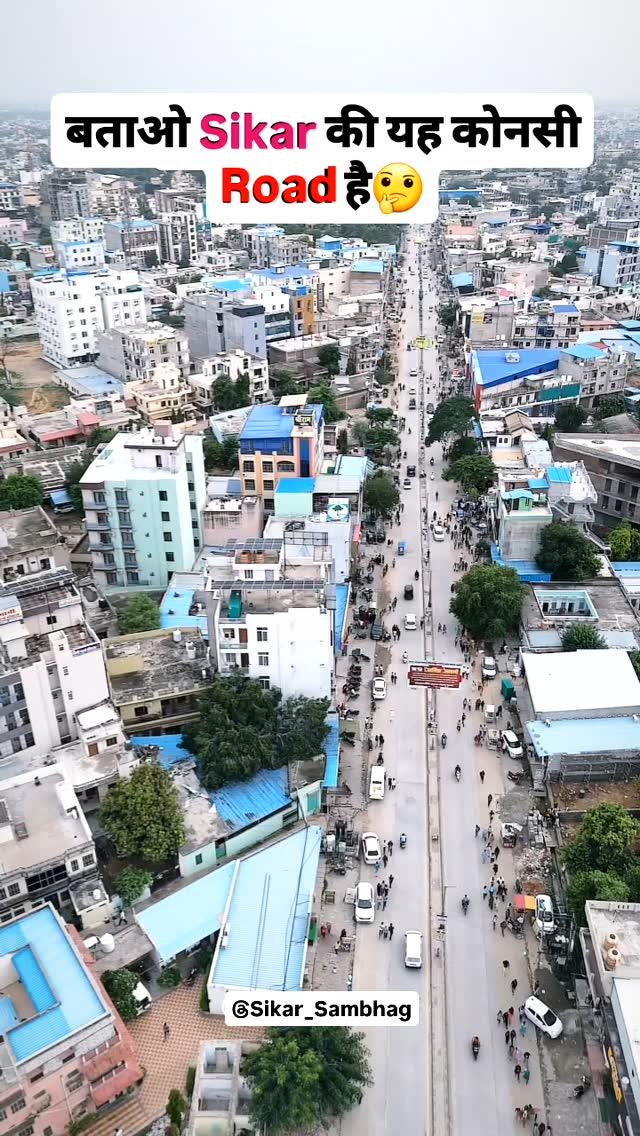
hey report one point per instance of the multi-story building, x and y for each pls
(98, 758)
(616, 265)
(67, 193)
(188, 199)
(537, 380)
(277, 315)
(79, 254)
(214, 324)
(221, 1096)
(233, 365)
(13, 230)
(135, 353)
(78, 229)
(178, 235)
(10, 200)
(284, 440)
(164, 397)
(51, 663)
(29, 543)
(609, 229)
(137, 239)
(268, 246)
(601, 370)
(511, 323)
(228, 516)
(72, 309)
(333, 282)
(143, 495)
(65, 1052)
(156, 678)
(613, 464)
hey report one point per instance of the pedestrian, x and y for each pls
(391, 879)
(386, 931)
(505, 1019)
(536, 988)
(385, 859)
(485, 892)
(377, 864)
(512, 1035)
(505, 966)
(385, 888)
(526, 1057)
(511, 1051)
(491, 902)
(495, 871)
(523, 1027)
(514, 985)
(507, 913)
(381, 930)
(510, 1013)
(526, 1075)
(497, 852)
(377, 739)
(491, 816)
(391, 930)
(485, 853)
(381, 739)
(542, 1128)
(517, 1069)
(499, 1017)
(482, 776)
(165, 1030)
(393, 782)
(495, 920)
(517, 1056)
(489, 800)
(492, 889)
(379, 889)
(503, 927)
(389, 781)
(536, 1128)
(384, 904)
(477, 829)
(507, 1037)
(390, 847)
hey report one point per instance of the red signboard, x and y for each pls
(435, 674)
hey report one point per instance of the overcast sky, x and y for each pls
(354, 45)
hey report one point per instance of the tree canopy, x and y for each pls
(120, 985)
(231, 395)
(452, 416)
(625, 543)
(131, 883)
(566, 553)
(329, 358)
(595, 885)
(283, 382)
(381, 495)
(20, 491)
(342, 442)
(140, 613)
(243, 728)
(220, 455)
(610, 405)
(582, 637)
(570, 417)
(474, 472)
(306, 1078)
(325, 394)
(448, 313)
(464, 447)
(143, 815)
(488, 601)
(604, 841)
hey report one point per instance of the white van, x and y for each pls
(489, 712)
(544, 922)
(377, 782)
(413, 948)
(410, 622)
(142, 998)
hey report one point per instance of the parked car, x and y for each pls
(438, 532)
(542, 1017)
(379, 688)
(371, 850)
(413, 948)
(543, 921)
(377, 782)
(365, 906)
(489, 667)
(410, 621)
(512, 743)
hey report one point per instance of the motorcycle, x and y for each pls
(581, 1089)
(348, 739)
(517, 777)
(475, 1047)
(403, 839)
(351, 713)
(405, 656)
(443, 741)
(457, 773)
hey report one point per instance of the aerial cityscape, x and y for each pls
(319, 655)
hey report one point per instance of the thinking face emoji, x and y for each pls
(397, 187)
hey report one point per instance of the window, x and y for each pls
(618, 506)
(622, 487)
(18, 1104)
(262, 634)
(158, 461)
(51, 619)
(13, 889)
(267, 467)
(605, 502)
(249, 483)
(198, 858)
(268, 484)
(141, 711)
(168, 537)
(70, 695)
(112, 741)
(65, 670)
(248, 467)
(3, 1114)
(169, 557)
(166, 516)
(248, 573)
(263, 659)
(264, 683)
(162, 495)
(88, 860)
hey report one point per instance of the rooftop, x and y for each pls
(27, 530)
(189, 914)
(605, 446)
(588, 681)
(296, 485)
(92, 379)
(243, 803)
(271, 421)
(42, 822)
(498, 366)
(51, 468)
(270, 596)
(153, 663)
(183, 603)
(45, 975)
(582, 736)
(583, 351)
(600, 601)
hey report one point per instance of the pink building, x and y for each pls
(64, 1050)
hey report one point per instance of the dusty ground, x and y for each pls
(33, 378)
(581, 797)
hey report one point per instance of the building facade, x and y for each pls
(135, 353)
(73, 308)
(286, 440)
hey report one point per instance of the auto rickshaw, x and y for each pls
(509, 835)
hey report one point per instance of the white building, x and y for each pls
(72, 309)
(143, 495)
(79, 254)
(136, 353)
(233, 364)
(136, 239)
(78, 229)
(178, 233)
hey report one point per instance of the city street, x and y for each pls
(481, 1096)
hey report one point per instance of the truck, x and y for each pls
(377, 782)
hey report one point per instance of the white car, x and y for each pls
(542, 1017)
(413, 948)
(544, 922)
(365, 904)
(379, 688)
(512, 743)
(371, 850)
(438, 532)
(410, 621)
(489, 667)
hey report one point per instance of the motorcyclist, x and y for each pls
(416, 575)
(475, 1045)
(458, 772)
(443, 740)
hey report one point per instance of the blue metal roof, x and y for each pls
(296, 485)
(565, 308)
(626, 567)
(559, 474)
(244, 803)
(366, 265)
(8, 1016)
(630, 325)
(180, 920)
(575, 736)
(517, 495)
(583, 351)
(55, 980)
(269, 915)
(494, 367)
(538, 483)
(60, 497)
(461, 279)
(268, 421)
(527, 570)
(348, 466)
(332, 752)
(171, 750)
(174, 611)
(339, 619)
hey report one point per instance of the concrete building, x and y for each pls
(233, 365)
(221, 1099)
(78, 229)
(78, 420)
(286, 440)
(214, 324)
(178, 235)
(72, 309)
(537, 381)
(30, 543)
(157, 677)
(616, 266)
(143, 495)
(73, 255)
(65, 1050)
(522, 515)
(489, 322)
(137, 239)
(268, 246)
(100, 756)
(162, 398)
(300, 349)
(230, 516)
(613, 464)
(600, 370)
(13, 230)
(10, 200)
(135, 353)
(576, 684)
(51, 665)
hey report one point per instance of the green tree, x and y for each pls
(24, 256)
(448, 314)
(632, 880)
(325, 394)
(381, 495)
(176, 1108)
(453, 416)
(342, 442)
(595, 885)
(566, 553)
(131, 883)
(140, 613)
(306, 1078)
(488, 601)
(477, 472)
(143, 816)
(243, 728)
(220, 455)
(604, 841)
(582, 637)
(230, 395)
(621, 541)
(609, 406)
(379, 415)
(283, 382)
(6, 252)
(329, 358)
(465, 447)
(351, 367)
(569, 417)
(100, 436)
(634, 658)
(120, 985)
(20, 491)
(151, 258)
